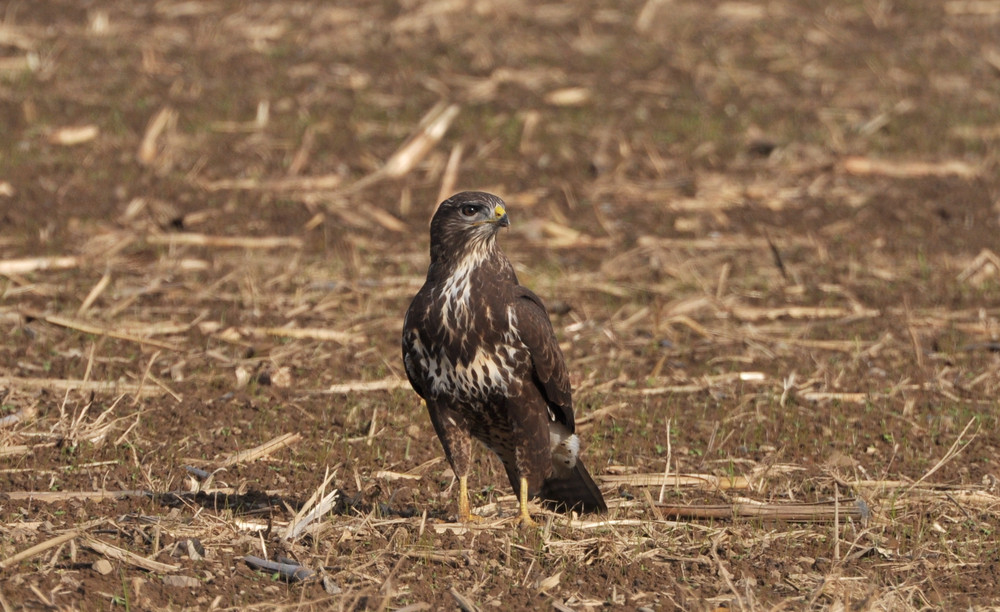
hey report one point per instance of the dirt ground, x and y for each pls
(767, 233)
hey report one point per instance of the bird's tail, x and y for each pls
(573, 489)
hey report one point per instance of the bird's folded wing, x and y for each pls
(535, 331)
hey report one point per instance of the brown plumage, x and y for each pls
(479, 348)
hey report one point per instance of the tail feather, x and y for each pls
(573, 490)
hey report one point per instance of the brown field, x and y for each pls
(767, 231)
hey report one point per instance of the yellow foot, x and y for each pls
(465, 514)
(524, 519)
(471, 518)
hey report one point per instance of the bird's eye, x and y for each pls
(470, 210)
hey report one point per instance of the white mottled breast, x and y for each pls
(489, 372)
(448, 368)
(456, 293)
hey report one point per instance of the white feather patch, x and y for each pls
(565, 446)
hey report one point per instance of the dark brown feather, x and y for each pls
(481, 351)
(546, 356)
(575, 491)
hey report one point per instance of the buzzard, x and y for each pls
(480, 350)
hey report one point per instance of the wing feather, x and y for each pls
(410, 332)
(550, 374)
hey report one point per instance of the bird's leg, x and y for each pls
(524, 518)
(454, 435)
(465, 515)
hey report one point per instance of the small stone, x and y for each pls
(102, 567)
(182, 548)
(191, 547)
(242, 377)
(330, 586)
(282, 378)
(184, 582)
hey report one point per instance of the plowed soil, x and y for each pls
(767, 233)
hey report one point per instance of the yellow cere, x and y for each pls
(499, 211)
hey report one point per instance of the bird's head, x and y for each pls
(466, 223)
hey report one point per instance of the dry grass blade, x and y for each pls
(666, 469)
(897, 484)
(908, 169)
(90, 328)
(978, 499)
(729, 242)
(647, 14)
(705, 383)
(390, 475)
(59, 496)
(63, 385)
(313, 508)
(845, 346)
(450, 177)
(304, 183)
(972, 7)
(953, 451)
(46, 497)
(749, 313)
(70, 136)
(120, 554)
(547, 584)
(985, 265)
(694, 481)
(498, 526)
(568, 96)
(46, 545)
(386, 220)
(263, 450)
(304, 152)
(429, 133)
(821, 512)
(14, 450)
(454, 558)
(723, 571)
(95, 292)
(31, 264)
(464, 603)
(992, 57)
(979, 496)
(304, 333)
(12, 36)
(301, 523)
(239, 242)
(605, 523)
(423, 467)
(595, 416)
(432, 129)
(149, 148)
(420, 606)
(821, 396)
(386, 384)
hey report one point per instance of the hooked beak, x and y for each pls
(500, 216)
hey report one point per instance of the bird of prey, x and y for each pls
(480, 350)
